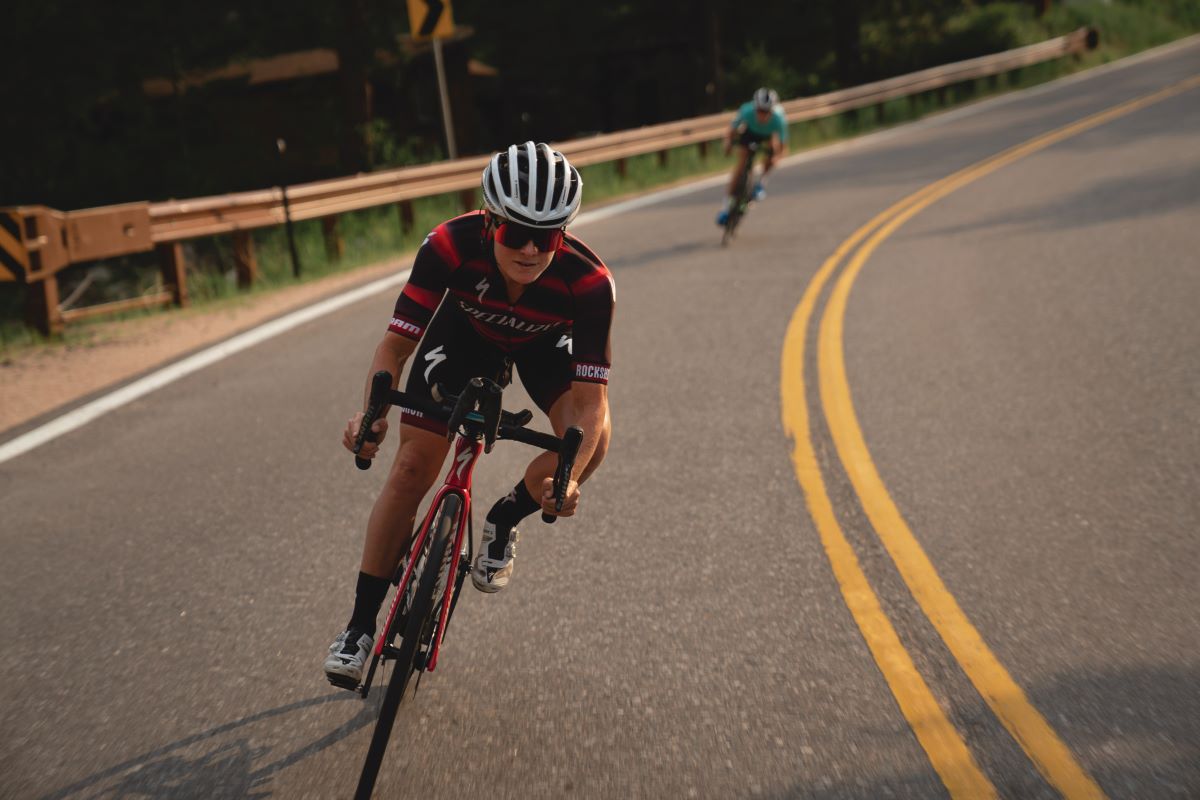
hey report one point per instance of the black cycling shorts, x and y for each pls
(451, 353)
(749, 137)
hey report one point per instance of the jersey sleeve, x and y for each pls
(743, 117)
(435, 260)
(781, 124)
(595, 298)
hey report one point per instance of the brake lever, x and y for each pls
(489, 407)
(466, 403)
(381, 384)
(566, 463)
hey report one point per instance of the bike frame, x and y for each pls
(740, 201)
(748, 174)
(458, 481)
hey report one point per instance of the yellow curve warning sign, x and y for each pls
(14, 261)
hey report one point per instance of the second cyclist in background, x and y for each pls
(760, 120)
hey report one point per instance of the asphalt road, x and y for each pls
(1023, 362)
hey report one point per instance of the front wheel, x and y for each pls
(737, 209)
(418, 631)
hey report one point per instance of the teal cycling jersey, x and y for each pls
(777, 123)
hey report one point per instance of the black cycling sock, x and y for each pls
(508, 511)
(368, 597)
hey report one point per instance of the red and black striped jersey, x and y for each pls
(456, 262)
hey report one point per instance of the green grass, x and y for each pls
(368, 236)
(375, 235)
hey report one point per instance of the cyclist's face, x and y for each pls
(762, 114)
(523, 264)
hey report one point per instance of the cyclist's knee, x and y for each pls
(417, 464)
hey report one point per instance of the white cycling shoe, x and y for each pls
(491, 574)
(347, 655)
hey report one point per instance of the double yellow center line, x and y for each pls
(943, 744)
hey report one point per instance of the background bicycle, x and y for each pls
(743, 194)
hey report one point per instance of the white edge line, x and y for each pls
(79, 417)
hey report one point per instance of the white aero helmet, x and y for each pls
(532, 184)
(765, 99)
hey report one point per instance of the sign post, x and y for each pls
(431, 19)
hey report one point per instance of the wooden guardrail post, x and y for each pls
(245, 260)
(173, 263)
(335, 248)
(622, 168)
(703, 148)
(33, 248)
(467, 198)
(405, 209)
(41, 307)
(662, 157)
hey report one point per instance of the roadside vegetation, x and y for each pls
(375, 235)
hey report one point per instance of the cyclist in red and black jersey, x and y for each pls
(490, 290)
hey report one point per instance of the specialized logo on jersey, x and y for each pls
(434, 357)
(482, 286)
(507, 321)
(565, 341)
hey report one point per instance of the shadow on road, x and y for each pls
(226, 770)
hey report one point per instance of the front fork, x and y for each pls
(464, 551)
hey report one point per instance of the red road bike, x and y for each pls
(431, 574)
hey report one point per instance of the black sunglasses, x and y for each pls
(515, 235)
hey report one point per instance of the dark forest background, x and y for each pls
(109, 102)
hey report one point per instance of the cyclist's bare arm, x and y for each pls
(727, 143)
(390, 354)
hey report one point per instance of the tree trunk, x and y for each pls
(847, 50)
(353, 61)
(715, 90)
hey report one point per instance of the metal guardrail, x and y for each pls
(36, 242)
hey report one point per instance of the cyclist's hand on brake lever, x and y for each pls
(369, 449)
(570, 499)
